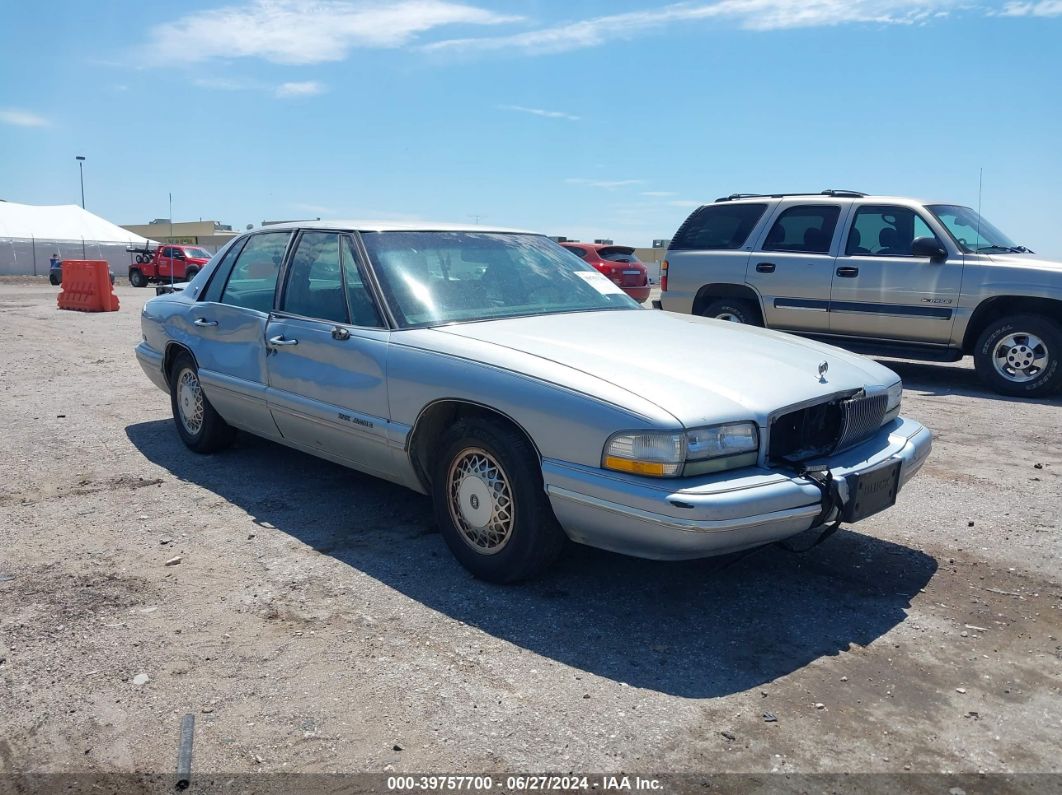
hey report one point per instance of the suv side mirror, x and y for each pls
(929, 247)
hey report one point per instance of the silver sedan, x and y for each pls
(526, 393)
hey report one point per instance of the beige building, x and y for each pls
(209, 234)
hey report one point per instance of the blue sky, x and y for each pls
(589, 119)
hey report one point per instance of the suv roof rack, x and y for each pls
(853, 194)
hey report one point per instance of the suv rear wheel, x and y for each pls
(735, 310)
(1021, 355)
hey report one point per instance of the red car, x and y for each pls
(617, 263)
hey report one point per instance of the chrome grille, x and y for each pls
(861, 416)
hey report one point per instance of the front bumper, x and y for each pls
(711, 515)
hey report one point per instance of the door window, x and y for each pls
(254, 276)
(807, 228)
(315, 279)
(885, 231)
(363, 311)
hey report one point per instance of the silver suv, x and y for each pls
(879, 275)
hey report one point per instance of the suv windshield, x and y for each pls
(972, 232)
(431, 278)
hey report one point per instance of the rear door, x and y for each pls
(791, 266)
(881, 291)
(229, 327)
(327, 361)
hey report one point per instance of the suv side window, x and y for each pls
(254, 276)
(315, 279)
(718, 226)
(885, 231)
(806, 228)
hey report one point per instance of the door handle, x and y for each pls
(848, 272)
(340, 333)
(279, 342)
(202, 321)
(765, 267)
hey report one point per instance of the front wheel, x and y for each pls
(490, 503)
(734, 310)
(137, 278)
(190, 274)
(200, 427)
(1020, 355)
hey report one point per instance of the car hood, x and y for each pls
(698, 370)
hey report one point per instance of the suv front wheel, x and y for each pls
(1020, 355)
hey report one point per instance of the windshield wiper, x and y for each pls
(1004, 249)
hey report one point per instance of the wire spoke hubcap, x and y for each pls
(480, 500)
(190, 401)
(1020, 357)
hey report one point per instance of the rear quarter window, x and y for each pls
(718, 226)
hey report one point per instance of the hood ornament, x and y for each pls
(823, 369)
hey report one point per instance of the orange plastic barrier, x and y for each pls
(87, 286)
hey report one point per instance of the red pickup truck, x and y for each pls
(183, 262)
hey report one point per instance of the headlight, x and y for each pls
(674, 453)
(892, 410)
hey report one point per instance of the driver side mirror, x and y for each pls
(929, 247)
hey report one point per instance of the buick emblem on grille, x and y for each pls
(823, 368)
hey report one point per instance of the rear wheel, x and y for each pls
(734, 310)
(490, 503)
(200, 427)
(137, 278)
(1021, 355)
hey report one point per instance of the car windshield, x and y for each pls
(972, 232)
(431, 278)
(198, 253)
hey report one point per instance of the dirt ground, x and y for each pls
(316, 622)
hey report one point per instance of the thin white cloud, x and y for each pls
(549, 114)
(603, 183)
(306, 88)
(749, 14)
(22, 118)
(1045, 8)
(305, 31)
(658, 194)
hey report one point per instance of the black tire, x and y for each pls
(1021, 356)
(530, 536)
(211, 433)
(190, 274)
(137, 278)
(736, 310)
(140, 259)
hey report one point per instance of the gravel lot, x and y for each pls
(316, 622)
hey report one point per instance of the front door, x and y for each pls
(792, 267)
(327, 360)
(881, 291)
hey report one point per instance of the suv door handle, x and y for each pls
(765, 267)
(202, 321)
(848, 272)
(281, 341)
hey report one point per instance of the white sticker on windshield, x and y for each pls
(599, 282)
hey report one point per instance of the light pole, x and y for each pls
(81, 167)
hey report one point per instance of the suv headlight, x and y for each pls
(668, 454)
(892, 410)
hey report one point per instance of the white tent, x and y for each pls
(30, 234)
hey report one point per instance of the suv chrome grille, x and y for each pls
(825, 428)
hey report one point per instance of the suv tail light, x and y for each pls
(663, 276)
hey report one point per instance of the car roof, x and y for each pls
(394, 226)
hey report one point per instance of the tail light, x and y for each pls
(663, 276)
